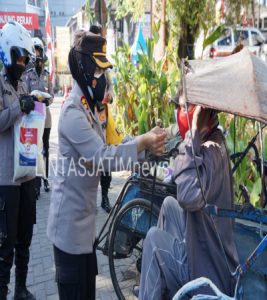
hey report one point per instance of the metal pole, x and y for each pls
(263, 185)
(258, 23)
(253, 11)
(100, 11)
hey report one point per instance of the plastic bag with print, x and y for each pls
(28, 144)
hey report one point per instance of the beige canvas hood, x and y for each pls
(235, 84)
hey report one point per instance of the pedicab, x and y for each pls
(134, 212)
(237, 85)
(233, 85)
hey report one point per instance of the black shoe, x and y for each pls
(105, 204)
(46, 185)
(22, 293)
(136, 291)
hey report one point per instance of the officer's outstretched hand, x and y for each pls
(26, 103)
(153, 141)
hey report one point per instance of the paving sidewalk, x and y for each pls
(41, 268)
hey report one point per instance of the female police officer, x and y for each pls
(82, 148)
(17, 199)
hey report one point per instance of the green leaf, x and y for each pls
(153, 81)
(141, 124)
(256, 191)
(163, 84)
(150, 49)
(214, 36)
(136, 111)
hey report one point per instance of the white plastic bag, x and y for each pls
(28, 144)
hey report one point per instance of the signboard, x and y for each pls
(29, 21)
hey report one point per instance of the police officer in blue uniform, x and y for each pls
(17, 199)
(37, 78)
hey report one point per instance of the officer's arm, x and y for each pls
(50, 91)
(9, 114)
(26, 79)
(109, 90)
(80, 134)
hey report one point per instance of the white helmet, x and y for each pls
(15, 39)
(38, 44)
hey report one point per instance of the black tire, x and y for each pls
(126, 243)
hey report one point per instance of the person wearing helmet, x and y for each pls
(17, 199)
(82, 155)
(37, 78)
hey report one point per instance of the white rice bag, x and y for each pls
(28, 143)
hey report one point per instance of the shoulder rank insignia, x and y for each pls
(102, 116)
(85, 103)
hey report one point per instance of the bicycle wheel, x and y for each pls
(126, 243)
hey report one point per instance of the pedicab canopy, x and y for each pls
(236, 84)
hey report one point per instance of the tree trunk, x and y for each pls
(159, 14)
(253, 12)
(186, 42)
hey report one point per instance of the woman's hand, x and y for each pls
(196, 117)
(157, 130)
(108, 98)
(153, 141)
(201, 117)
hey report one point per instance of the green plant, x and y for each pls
(143, 90)
(89, 13)
(214, 35)
(241, 131)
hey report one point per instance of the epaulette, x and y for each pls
(29, 70)
(84, 103)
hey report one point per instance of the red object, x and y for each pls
(213, 52)
(28, 135)
(222, 10)
(105, 100)
(29, 21)
(66, 91)
(50, 46)
(183, 122)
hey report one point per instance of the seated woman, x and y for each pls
(185, 244)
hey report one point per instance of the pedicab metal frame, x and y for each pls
(148, 185)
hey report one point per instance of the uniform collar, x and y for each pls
(80, 100)
(35, 72)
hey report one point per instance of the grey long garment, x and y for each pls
(205, 256)
(71, 220)
(9, 112)
(43, 84)
(164, 260)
